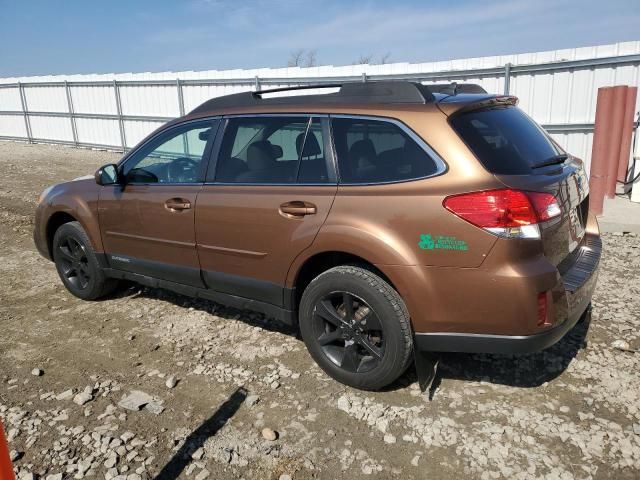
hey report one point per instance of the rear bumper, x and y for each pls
(505, 344)
(578, 282)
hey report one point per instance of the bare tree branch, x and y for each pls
(311, 58)
(295, 58)
(363, 60)
(384, 59)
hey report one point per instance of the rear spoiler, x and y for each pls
(451, 107)
(454, 88)
(501, 101)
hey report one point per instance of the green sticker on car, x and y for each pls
(442, 242)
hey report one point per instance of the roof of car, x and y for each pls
(389, 93)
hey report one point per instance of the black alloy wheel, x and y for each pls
(350, 332)
(74, 262)
(77, 263)
(356, 327)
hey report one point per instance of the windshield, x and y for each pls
(505, 139)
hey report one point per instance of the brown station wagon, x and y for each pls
(386, 220)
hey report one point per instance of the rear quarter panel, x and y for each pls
(387, 223)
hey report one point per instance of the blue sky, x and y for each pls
(55, 37)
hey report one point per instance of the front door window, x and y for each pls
(175, 157)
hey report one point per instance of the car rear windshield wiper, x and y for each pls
(555, 160)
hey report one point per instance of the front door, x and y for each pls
(270, 193)
(147, 223)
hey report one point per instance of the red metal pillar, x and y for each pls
(627, 133)
(598, 171)
(615, 139)
(6, 470)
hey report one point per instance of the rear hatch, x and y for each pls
(522, 156)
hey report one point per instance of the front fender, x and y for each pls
(78, 199)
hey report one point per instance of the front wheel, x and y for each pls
(77, 264)
(356, 327)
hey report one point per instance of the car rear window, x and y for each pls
(505, 139)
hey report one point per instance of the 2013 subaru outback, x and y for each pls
(382, 218)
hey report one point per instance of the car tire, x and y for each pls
(77, 264)
(356, 327)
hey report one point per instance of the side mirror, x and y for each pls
(107, 175)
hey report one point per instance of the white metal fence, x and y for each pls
(557, 88)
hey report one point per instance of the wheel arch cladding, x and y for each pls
(61, 217)
(319, 262)
(55, 221)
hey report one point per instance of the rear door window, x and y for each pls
(378, 151)
(313, 165)
(505, 139)
(272, 150)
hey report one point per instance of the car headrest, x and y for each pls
(277, 151)
(260, 155)
(389, 157)
(311, 146)
(362, 153)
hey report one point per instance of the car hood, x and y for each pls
(84, 177)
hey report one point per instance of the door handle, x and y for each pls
(177, 204)
(297, 209)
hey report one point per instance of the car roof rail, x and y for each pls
(371, 92)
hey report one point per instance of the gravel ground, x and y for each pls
(230, 394)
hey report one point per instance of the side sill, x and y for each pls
(285, 316)
(150, 268)
(243, 287)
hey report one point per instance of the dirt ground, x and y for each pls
(572, 411)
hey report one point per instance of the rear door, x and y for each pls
(267, 194)
(522, 155)
(147, 224)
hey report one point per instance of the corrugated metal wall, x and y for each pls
(558, 88)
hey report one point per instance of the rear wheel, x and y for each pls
(77, 264)
(356, 327)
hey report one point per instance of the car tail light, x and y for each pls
(545, 205)
(505, 212)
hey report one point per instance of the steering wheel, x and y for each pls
(182, 170)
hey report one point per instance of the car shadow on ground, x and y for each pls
(524, 371)
(254, 319)
(196, 439)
